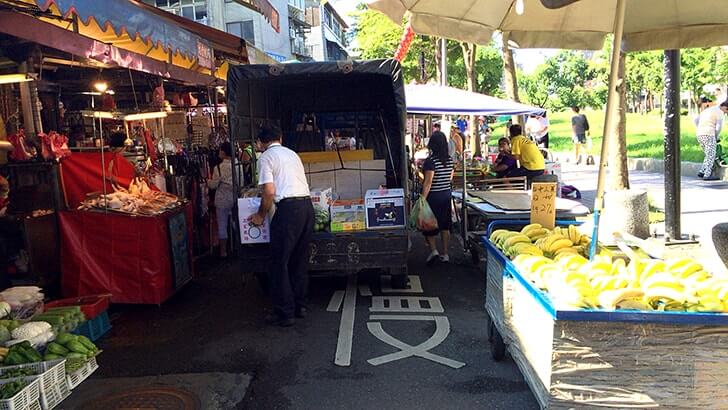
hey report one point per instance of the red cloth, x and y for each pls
(81, 173)
(126, 256)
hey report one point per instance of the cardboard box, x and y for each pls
(348, 216)
(385, 208)
(322, 197)
(248, 233)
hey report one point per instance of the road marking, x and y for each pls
(346, 327)
(442, 330)
(335, 303)
(365, 290)
(401, 317)
(406, 304)
(414, 286)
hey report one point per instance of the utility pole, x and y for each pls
(443, 61)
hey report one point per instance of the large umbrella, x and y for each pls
(572, 24)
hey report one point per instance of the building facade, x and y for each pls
(328, 32)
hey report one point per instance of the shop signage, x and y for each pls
(204, 55)
(543, 204)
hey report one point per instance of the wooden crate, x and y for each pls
(614, 359)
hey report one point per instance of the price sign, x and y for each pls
(543, 204)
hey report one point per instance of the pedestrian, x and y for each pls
(509, 123)
(537, 127)
(462, 124)
(283, 181)
(528, 155)
(505, 162)
(580, 130)
(709, 125)
(437, 189)
(222, 183)
(455, 144)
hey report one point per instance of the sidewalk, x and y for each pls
(704, 203)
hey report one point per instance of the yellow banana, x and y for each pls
(530, 227)
(662, 280)
(566, 251)
(610, 299)
(546, 244)
(560, 243)
(687, 269)
(675, 264)
(633, 304)
(665, 294)
(537, 233)
(495, 234)
(516, 239)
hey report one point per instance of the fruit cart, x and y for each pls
(600, 358)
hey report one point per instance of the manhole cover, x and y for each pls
(147, 399)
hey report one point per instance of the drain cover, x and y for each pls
(161, 398)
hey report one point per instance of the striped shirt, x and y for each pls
(443, 173)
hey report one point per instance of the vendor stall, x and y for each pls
(627, 342)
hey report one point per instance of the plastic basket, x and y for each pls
(24, 399)
(52, 376)
(94, 328)
(91, 305)
(77, 377)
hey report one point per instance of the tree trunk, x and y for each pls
(469, 57)
(619, 176)
(438, 58)
(509, 71)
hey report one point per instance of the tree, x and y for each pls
(534, 87)
(488, 70)
(644, 76)
(697, 69)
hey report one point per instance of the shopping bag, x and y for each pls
(422, 216)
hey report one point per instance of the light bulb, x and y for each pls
(101, 86)
(519, 7)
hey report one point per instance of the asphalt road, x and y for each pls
(214, 325)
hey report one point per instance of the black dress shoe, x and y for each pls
(301, 313)
(700, 175)
(275, 320)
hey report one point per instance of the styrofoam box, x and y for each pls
(322, 197)
(249, 233)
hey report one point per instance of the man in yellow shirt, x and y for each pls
(527, 153)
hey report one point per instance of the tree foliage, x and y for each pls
(698, 68)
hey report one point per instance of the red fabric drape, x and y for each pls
(126, 256)
(82, 173)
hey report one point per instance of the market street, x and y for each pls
(215, 326)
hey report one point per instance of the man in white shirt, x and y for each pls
(283, 181)
(709, 125)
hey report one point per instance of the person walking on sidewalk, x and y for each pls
(580, 130)
(283, 181)
(437, 189)
(222, 183)
(709, 125)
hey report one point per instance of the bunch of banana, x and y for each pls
(535, 232)
(628, 298)
(523, 248)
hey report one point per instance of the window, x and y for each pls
(243, 29)
(328, 20)
(299, 4)
(195, 10)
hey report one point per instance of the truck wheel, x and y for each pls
(399, 280)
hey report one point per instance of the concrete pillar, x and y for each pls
(625, 211)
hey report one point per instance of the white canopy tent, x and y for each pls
(438, 99)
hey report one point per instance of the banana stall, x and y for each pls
(614, 331)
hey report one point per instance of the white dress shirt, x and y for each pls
(710, 122)
(537, 126)
(284, 169)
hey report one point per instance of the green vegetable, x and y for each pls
(32, 356)
(52, 320)
(88, 344)
(9, 374)
(4, 334)
(50, 356)
(77, 347)
(71, 309)
(56, 348)
(74, 355)
(14, 358)
(9, 390)
(64, 338)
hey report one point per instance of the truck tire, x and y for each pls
(400, 279)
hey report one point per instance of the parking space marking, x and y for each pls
(414, 286)
(335, 302)
(365, 290)
(346, 326)
(406, 304)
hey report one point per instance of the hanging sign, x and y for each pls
(543, 204)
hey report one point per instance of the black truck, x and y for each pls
(363, 100)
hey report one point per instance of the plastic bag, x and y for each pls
(422, 216)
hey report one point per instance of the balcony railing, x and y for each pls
(301, 49)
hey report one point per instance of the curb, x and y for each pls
(689, 169)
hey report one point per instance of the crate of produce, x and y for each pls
(27, 397)
(52, 375)
(95, 328)
(77, 376)
(583, 354)
(91, 305)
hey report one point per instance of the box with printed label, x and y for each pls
(385, 208)
(348, 216)
(322, 197)
(250, 233)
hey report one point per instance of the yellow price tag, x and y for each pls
(543, 204)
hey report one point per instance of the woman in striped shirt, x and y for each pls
(437, 188)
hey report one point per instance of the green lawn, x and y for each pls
(645, 137)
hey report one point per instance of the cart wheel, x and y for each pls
(474, 254)
(497, 345)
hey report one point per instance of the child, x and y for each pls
(505, 162)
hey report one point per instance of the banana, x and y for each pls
(610, 299)
(585, 240)
(662, 280)
(687, 269)
(633, 304)
(536, 238)
(559, 243)
(570, 260)
(665, 294)
(537, 233)
(651, 267)
(517, 238)
(547, 242)
(495, 234)
(566, 251)
(678, 263)
(574, 234)
(504, 237)
(618, 266)
(530, 227)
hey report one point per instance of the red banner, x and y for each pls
(82, 173)
(405, 43)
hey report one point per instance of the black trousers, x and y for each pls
(290, 236)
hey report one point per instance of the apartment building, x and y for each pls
(328, 32)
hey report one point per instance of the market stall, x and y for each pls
(614, 332)
(346, 121)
